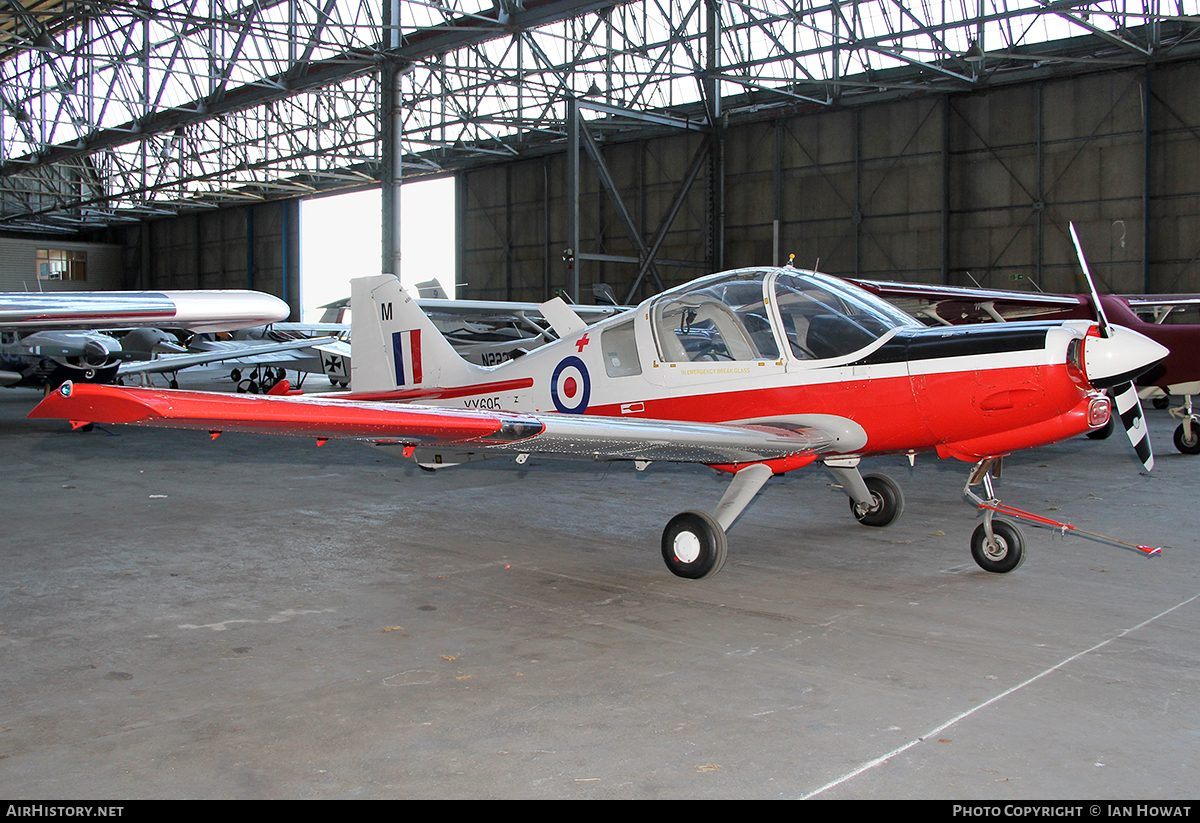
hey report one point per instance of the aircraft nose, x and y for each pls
(1120, 357)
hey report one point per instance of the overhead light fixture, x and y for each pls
(974, 54)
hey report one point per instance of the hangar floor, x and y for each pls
(257, 617)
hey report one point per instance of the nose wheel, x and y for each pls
(998, 546)
(1001, 551)
(1188, 442)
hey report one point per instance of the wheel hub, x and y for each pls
(995, 548)
(687, 547)
(863, 509)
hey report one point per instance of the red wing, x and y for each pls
(315, 417)
(499, 431)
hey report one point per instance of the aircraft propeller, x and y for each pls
(1127, 404)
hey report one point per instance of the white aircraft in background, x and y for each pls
(260, 357)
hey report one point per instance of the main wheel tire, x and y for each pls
(1006, 551)
(1162, 401)
(694, 545)
(887, 502)
(1185, 445)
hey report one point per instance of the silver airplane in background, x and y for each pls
(49, 337)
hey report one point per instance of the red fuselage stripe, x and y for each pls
(445, 394)
(1030, 405)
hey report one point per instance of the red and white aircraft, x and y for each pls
(755, 372)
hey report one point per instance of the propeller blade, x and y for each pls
(1129, 408)
(1101, 318)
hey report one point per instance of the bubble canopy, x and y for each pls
(769, 314)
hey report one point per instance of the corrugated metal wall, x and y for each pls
(18, 265)
(248, 247)
(967, 188)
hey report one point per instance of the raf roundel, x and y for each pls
(570, 386)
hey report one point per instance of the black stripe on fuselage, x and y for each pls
(960, 341)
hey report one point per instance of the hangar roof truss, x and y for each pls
(123, 110)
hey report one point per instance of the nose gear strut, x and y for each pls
(998, 545)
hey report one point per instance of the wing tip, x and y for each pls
(91, 403)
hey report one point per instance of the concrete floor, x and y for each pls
(254, 617)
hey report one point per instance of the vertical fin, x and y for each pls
(395, 345)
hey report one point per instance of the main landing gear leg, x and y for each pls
(694, 544)
(997, 545)
(875, 500)
(1187, 435)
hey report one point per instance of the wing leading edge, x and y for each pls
(327, 417)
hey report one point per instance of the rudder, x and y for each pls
(394, 344)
